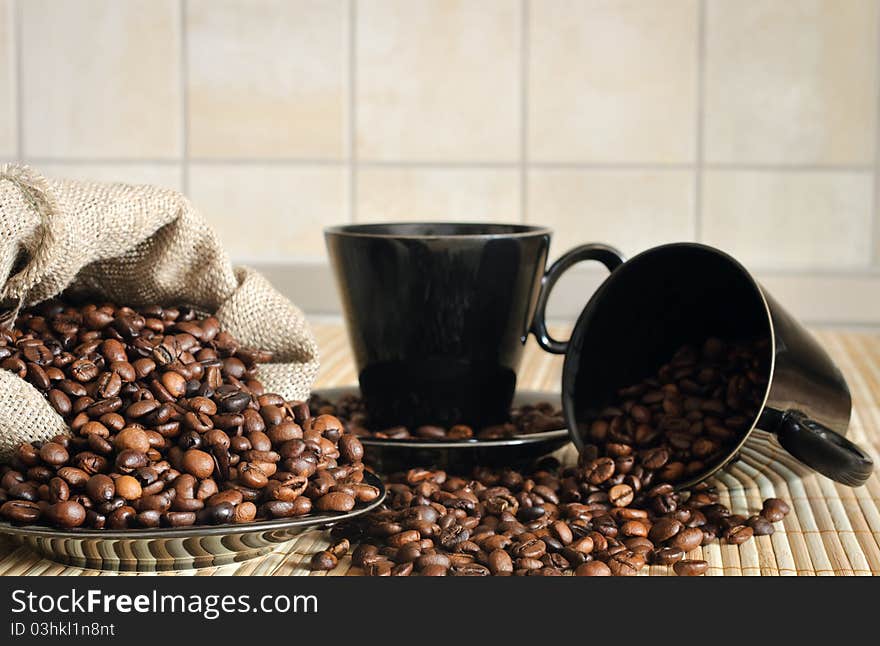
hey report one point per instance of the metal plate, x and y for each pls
(149, 550)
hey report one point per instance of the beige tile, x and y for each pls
(268, 79)
(438, 80)
(790, 220)
(791, 82)
(631, 210)
(612, 81)
(270, 212)
(437, 194)
(8, 139)
(101, 78)
(166, 175)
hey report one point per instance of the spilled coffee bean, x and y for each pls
(611, 514)
(447, 525)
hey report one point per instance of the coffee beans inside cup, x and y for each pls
(170, 427)
(681, 421)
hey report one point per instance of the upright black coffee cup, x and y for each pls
(438, 314)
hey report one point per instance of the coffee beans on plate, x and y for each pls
(170, 427)
(524, 420)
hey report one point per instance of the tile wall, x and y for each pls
(747, 124)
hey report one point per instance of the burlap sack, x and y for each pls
(133, 245)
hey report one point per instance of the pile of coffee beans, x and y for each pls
(611, 514)
(524, 420)
(550, 521)
(170, 427)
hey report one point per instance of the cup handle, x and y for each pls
(608, 256)
(824, 450)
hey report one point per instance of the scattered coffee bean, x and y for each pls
(775, 509)
(593, 568)
(760, 526)
(444, 524)
(690, 567)
(325, 560)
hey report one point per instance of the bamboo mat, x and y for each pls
(832, 529)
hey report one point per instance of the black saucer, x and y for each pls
(388, 455)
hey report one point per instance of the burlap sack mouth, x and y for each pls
(131, 245)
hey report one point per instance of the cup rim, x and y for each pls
(489, 230)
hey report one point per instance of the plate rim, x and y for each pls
(202, 531)
(473, 443)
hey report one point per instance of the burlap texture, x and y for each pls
(133, 245)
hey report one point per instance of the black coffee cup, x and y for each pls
(438, 313)
(683, 293)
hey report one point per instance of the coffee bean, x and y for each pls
(738, 534)
(54, 454)
(350, 449)
(760, 526)
(245, 512)
(336, 501)
(775, 509)
(179, 518)
(60, 402)
(667, 555)
(593, 568)
(500, 563)
(198, 463)
(563, 532)
(600, 470)
(128, 487)
(363, 554)
(59, 490)
(20, 511)
(688, 539)
(132, 438)
(67, 514)
(690, 567)
(436, 559)
(664, 529)
(620, 495)
(402, 569)
(626, 563)
(324, 561)
(383, 568)
(100, 487)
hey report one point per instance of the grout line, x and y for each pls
(875, 223)
(184, 99)
(17, 46)
(474, 165)
(868, 273)
(524, 112)
(352, 112)
(701, 115)
(75, 161)
(792, 168)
